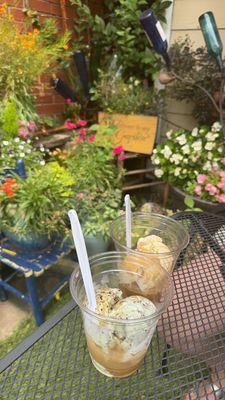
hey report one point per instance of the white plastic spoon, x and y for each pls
(82, 256)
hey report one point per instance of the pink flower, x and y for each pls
(221, 198)
(70, 125)
(209, 186)
(91, 138)
(68, 101)
(80, 195)
(197, 189)
(81, 122)
(211, 189)
(121, 156)
(82, 131)
(118, 150)
(201, 178)
(31, 126)
(23, 132)
(223, 161)
(221, 184)
(222, 174)
(80, 139)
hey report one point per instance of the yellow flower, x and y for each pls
(3, 9)
(20, 71)
(66, 46)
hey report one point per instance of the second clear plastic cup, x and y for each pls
(117, 346)
(171, 232)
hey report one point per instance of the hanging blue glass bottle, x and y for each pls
(212, 37)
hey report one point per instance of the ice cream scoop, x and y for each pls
(153, 244)
(106, 298)
(133, 307)
(148, 280)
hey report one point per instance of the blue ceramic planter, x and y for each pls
(96, 244)
(28, 242)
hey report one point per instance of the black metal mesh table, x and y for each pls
(54, 363)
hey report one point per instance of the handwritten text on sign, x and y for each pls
(136, 133)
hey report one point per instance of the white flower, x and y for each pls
(28, 141)
(207, 166)
(158, 173)
(185, 149)
(176, 158)
(177, 171)
(209, 155)
(215, 164)
(181, 139)
(156, 161)
(211, 136)
(216, 127)
(220, 149)
(194, 158)
(5, 142)
(209, 146)
(169, 134)
(22, 155)
(166, 152)
(16, 139)
(21, 147)
(197, 146)
(194, 132)
(42, 162)
(28, 151)
(42, 149)
(184, 171)
(154, 151)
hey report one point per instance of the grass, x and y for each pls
(28, 325)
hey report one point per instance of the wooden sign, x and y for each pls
(136, 133)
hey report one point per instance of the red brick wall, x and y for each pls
(48, 102)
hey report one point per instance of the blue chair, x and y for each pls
(31, 265)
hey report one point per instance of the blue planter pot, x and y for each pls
(96, 244)
(28, 242)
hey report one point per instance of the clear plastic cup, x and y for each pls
(173, 234)
(117, 346)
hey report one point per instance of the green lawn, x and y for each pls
(28, 325)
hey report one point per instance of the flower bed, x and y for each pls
(194, 162)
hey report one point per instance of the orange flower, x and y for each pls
(8, 187)
(3, 9)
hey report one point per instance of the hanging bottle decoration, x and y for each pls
(212, 37)
(155, 34)
(63, 89)
(20, 168)
(81, 65)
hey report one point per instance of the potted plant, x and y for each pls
(90, 159)
(119, 32)
(34, 210)
(193, 163)
(194, 78)
(132, 107)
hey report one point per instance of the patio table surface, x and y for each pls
(54, 363)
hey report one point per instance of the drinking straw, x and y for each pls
(82, 256)
(128, 220)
